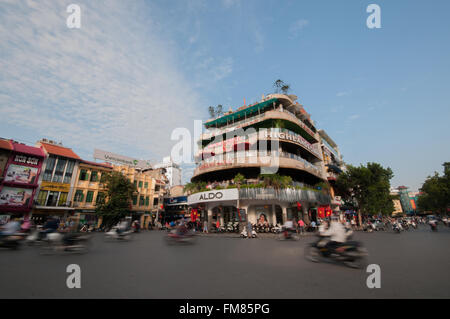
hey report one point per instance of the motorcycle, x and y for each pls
(287, 234)
(244, 233)
(276, 229)
(115, 234)
(351, 253)
(60, 242)
(11, 241)
(396, 228)
(433, 226)
(174, 237)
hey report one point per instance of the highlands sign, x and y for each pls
(120, 159)
(211, 196)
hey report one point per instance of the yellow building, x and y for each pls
(88, 190)
(397, 207)
(151, 188)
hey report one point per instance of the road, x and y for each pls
(413, 264)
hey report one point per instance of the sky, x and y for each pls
(136, 70)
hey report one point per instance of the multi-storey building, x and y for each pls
(89, 190)
(151, 188)
(20, 168)
(274, 135)
(57, 181)
(172, 171)
(334, 165)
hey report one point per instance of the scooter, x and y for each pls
(351, 253)
(116, 235)
(56, 242)
(433, 226)
(173, 237)
(276, 229)
(244, 233)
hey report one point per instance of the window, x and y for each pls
(157, 187)
(78, 196)
(62, 199)
(89, 196)
(94, 176)
(135, 183)
(147, 201)
(134, 200)
(140, 184)
(84, 175)
(59, 171)
(42, 197)
(49, 166)
(69, 171)
(141, 201)
(100, 197)
(155, 201)
(52, 199)
(146, 185)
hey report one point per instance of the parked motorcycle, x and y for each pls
(351, 253)
(244, 233)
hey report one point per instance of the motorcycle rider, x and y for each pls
(338, 235)
(50, 226)
(10, 228)
(288, 227)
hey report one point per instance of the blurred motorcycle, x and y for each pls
(350, 253)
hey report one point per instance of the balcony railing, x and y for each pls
(232, 126)
(252, 157)
(285, 195)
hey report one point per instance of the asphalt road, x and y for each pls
(414, 264)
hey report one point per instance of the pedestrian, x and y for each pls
(301, 226)
(205, 227)
(249, 230)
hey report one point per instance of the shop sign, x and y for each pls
(21, 174)
(13, 196)
(211, 196)
(291, 137)
(26, 160)
(55, 187)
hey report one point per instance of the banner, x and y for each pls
(13, 196)
(55, 187)
(21, 174)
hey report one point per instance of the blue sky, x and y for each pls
(136, 70)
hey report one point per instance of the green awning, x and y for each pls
(239, 115)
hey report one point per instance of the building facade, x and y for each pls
(275, 135)
(57, 181)
(88, 189)
(19, 174)
(151, 189)
(172, 171)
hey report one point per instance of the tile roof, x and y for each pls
(60, 150)
(105, 165)
(30, 150)
(5, 144)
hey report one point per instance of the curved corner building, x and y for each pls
(275, 135)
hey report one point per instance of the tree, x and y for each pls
(435, 192)
(117, 202)
(279, 85)
(215, 111)
(238, 180)
(367, 188)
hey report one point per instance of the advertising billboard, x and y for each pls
(120, 159)
(13, 196)
(21, 174)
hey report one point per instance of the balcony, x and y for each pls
(273, 114)
(285, 195)
(259, 159)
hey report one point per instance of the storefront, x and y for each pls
(20, 179)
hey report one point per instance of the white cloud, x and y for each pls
(353, 117)
(343, 93)
(113, 84)
(297, 26)
(230, 3)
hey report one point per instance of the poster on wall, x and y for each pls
(13, 196)
(21, 174)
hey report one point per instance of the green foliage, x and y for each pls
(276, 181)
(215, 111)
(435, 190)
(239, 179)
(117, 202)
(367, 187)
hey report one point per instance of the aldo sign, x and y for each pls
(211, 196)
